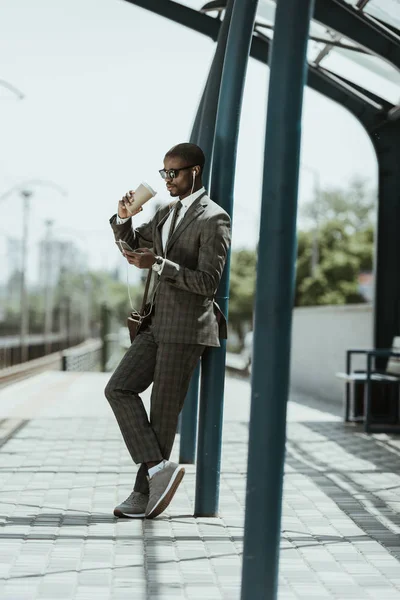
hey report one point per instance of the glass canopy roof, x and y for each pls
(332, 51)
(387, 11)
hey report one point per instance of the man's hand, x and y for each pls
(142, 258)
(122, 204)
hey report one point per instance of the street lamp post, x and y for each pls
(48, 302)
(26, 193)
(84, 302)
(24, 323)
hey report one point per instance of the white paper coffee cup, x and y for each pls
(143, 193)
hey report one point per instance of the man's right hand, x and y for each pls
(127, 199)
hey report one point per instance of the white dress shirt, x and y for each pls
(186, 203)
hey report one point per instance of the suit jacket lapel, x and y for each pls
(193, 212)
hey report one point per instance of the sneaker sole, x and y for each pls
(169, 493)
(119, 513)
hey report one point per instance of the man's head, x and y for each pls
(183, 166)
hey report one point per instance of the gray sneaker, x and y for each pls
(134, 506)
(163, 486)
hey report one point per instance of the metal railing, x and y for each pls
(85, 357)
(72, 354)
(51, 362)
(37, 347)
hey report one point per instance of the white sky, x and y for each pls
(109, 89)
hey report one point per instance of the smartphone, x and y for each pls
(125, 246)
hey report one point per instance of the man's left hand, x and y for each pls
(142, 258)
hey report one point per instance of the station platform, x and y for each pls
(63, 467)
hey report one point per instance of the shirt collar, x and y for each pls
(188, 201)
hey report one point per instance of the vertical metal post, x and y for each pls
(347, 388)
(387, 261)
(87, 306)
(197, 121)
(24, 325)
(203, 135)
(274, 301)
(212, 90)
(104, 332)
(188, 421)
(368, 395)
(48, 304)
(68, 320)
(222, 184)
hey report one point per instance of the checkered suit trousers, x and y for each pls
(169, 366)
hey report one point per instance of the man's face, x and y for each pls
(180, 185)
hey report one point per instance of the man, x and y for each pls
(185, 247)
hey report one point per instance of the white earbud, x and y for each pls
(194, 181)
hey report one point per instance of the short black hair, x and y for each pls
(191, 153)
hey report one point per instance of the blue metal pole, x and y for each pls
(203, 135)
(188, 421)
(222, 184)
(211, 95)
(274, 301)
(194, 136)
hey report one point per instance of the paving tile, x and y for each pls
(61, 477)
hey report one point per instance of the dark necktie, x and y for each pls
(175, 216)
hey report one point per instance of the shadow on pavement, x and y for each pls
(341, 460)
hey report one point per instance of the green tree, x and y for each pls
(242, 286)
(354, 207)
(342, 236)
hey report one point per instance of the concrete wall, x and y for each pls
(321, 336)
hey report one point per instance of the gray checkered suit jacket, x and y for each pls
(185, 310)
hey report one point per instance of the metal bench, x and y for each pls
(372, 389)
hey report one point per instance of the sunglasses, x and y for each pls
(172, 173)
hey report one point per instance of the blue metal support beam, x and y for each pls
(386, 141)
(188, 421)
(211, 96)
(274, 300)
(203, 134)
(194, 136)
(187, 425)
(222, 184)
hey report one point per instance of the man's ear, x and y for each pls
(197, 170)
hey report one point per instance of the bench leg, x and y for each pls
(367, 397)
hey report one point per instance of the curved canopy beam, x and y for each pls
(355, 25)
(351, 22)
(371, 111)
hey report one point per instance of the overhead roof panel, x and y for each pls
(387, 11)
(331, 50)
(342, 63)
